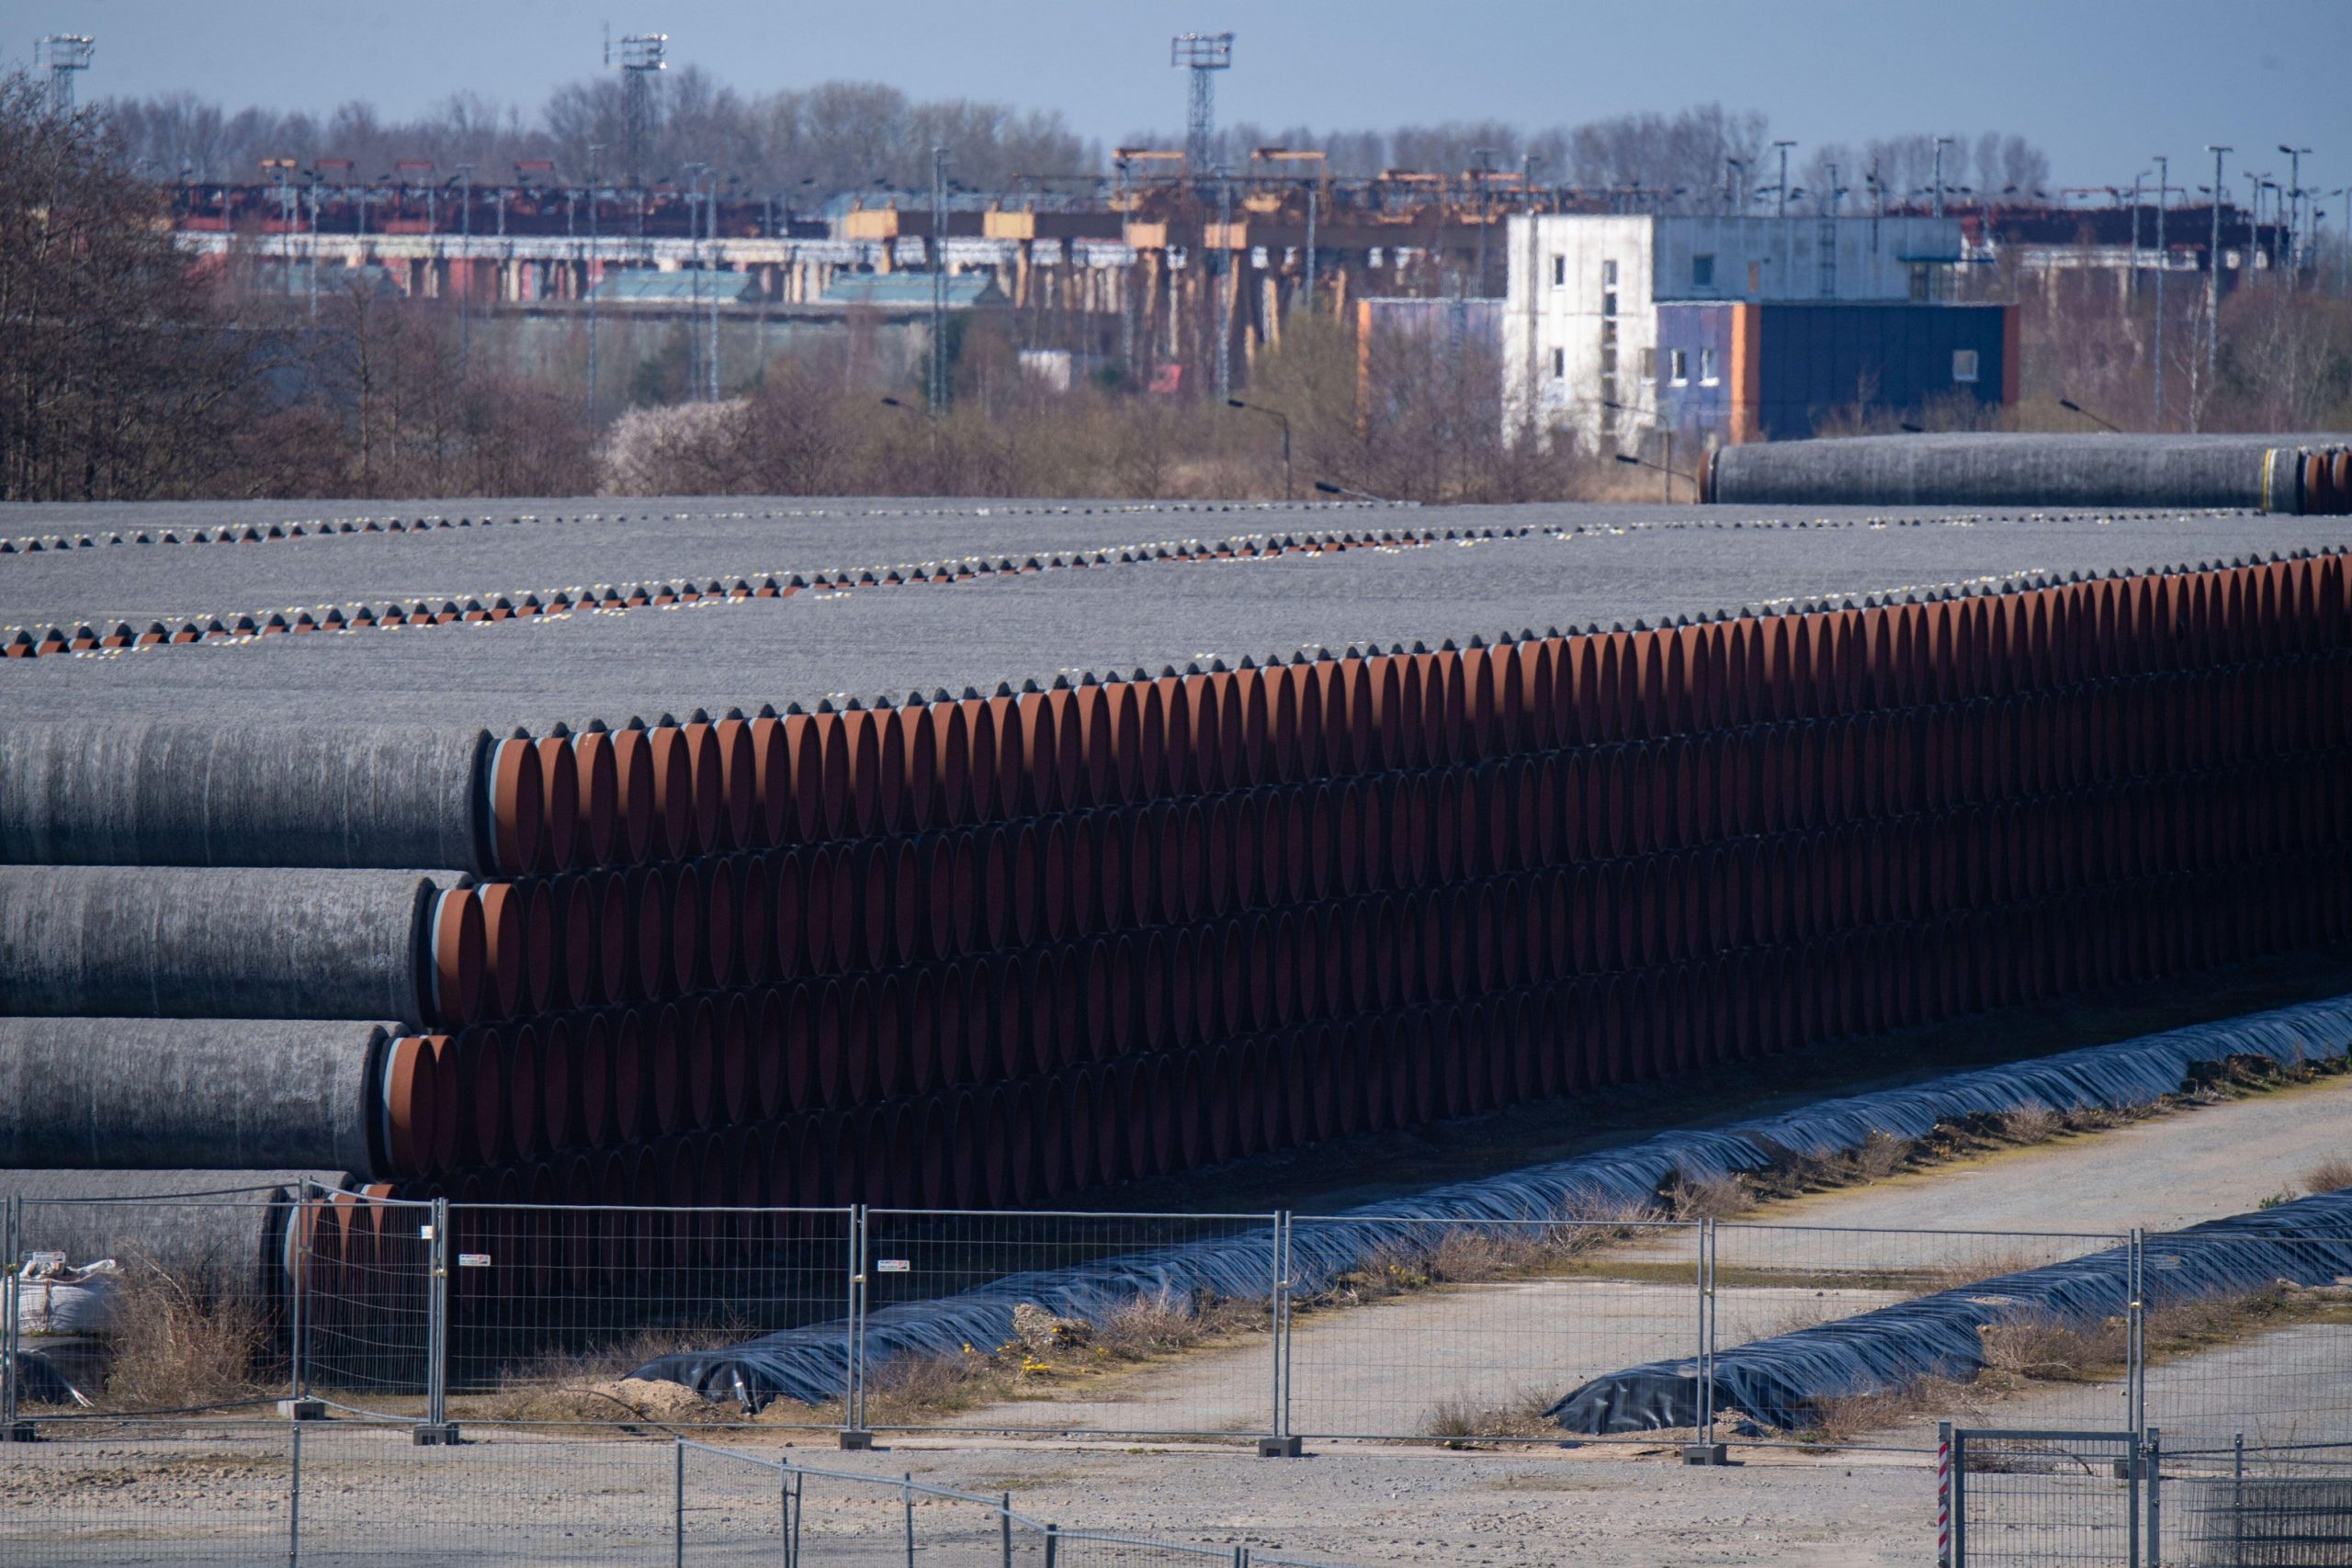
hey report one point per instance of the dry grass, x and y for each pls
(906, 1390)
(1692, 1197)
(1474, 1254)
(181, 1342)
(1849, 1417)
(594, 1385)
(2331, 1175)
(1458, 1423)
(2034, 1124)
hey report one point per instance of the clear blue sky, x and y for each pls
(2100, 85)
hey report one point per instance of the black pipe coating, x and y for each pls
(122, 791)
(146, 942)
(133, 1093)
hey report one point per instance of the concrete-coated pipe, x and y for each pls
(130, 791)
(2011, 471)
(144, 942)
(224, 1228)
(133, 1093)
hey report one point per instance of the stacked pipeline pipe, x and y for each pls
(2284, 474)
(1007, 949)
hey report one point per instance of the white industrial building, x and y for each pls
(1582, 342)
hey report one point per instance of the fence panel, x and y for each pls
(191, 1317)
(363, 1270)
(2045, 1500)
(1993, 1355)
(1471, 1329)
(1069, 1323)
(2260, 1510)
(877, 1519)
(2248, 1345)
(549, 1307)
(732, 1506)
(105, 1494)
(503, 1500)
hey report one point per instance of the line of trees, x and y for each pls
(810, 144)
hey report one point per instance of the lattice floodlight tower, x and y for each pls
(1202, 53)
(63, 54)
(642, 56)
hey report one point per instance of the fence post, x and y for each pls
(437, 1429)
(1943, 1494)
(1004, 1531)
(1957, 1490)
(294, 1501)
(1706, 1450)
(678, 1503)
(906, 1506)
(10, 1293)
(2154, 1449)
(299, 1406)
(1053, 1545)
(2237, 1498)
(856, 1434)
(783, 1508)
(1278, 1443)
(2135, 1330)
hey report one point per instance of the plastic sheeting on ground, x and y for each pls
(810, 1363)
(1780, 1381)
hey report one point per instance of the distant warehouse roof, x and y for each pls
(644, 287)
(911, 290)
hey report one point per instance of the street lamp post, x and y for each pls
(1784, 209)
(2213, 276)
(1288, 492)
(1941, 143)
(2295, 156)
(591, 274)
(2163, 265)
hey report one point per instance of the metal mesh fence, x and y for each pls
(2034, 1368)
(2045, 1500)
(363, 1271)
(108, 1494)
(1470, 1331)
(505, 1499)
(2261, 1510)
(152, 1305)
(549, 1306)
(1070, 1323)
(2261, 1365)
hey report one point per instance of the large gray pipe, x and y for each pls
(227, 1228)
(133, 791)
(142, 941)
(131, 1093)
(2168, 471)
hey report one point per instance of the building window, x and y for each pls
(1609, 304)
(1608, 275)
(1703, 272)
(1559, 364)
(1678, 366)
(1963, 365)
(1707, 368)
(1649, 365)
(1559, 272)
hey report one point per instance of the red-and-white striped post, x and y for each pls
(1943, 1494)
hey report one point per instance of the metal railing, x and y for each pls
(1272, 1328)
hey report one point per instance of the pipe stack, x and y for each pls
(1008, 949)
(2251, 473)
